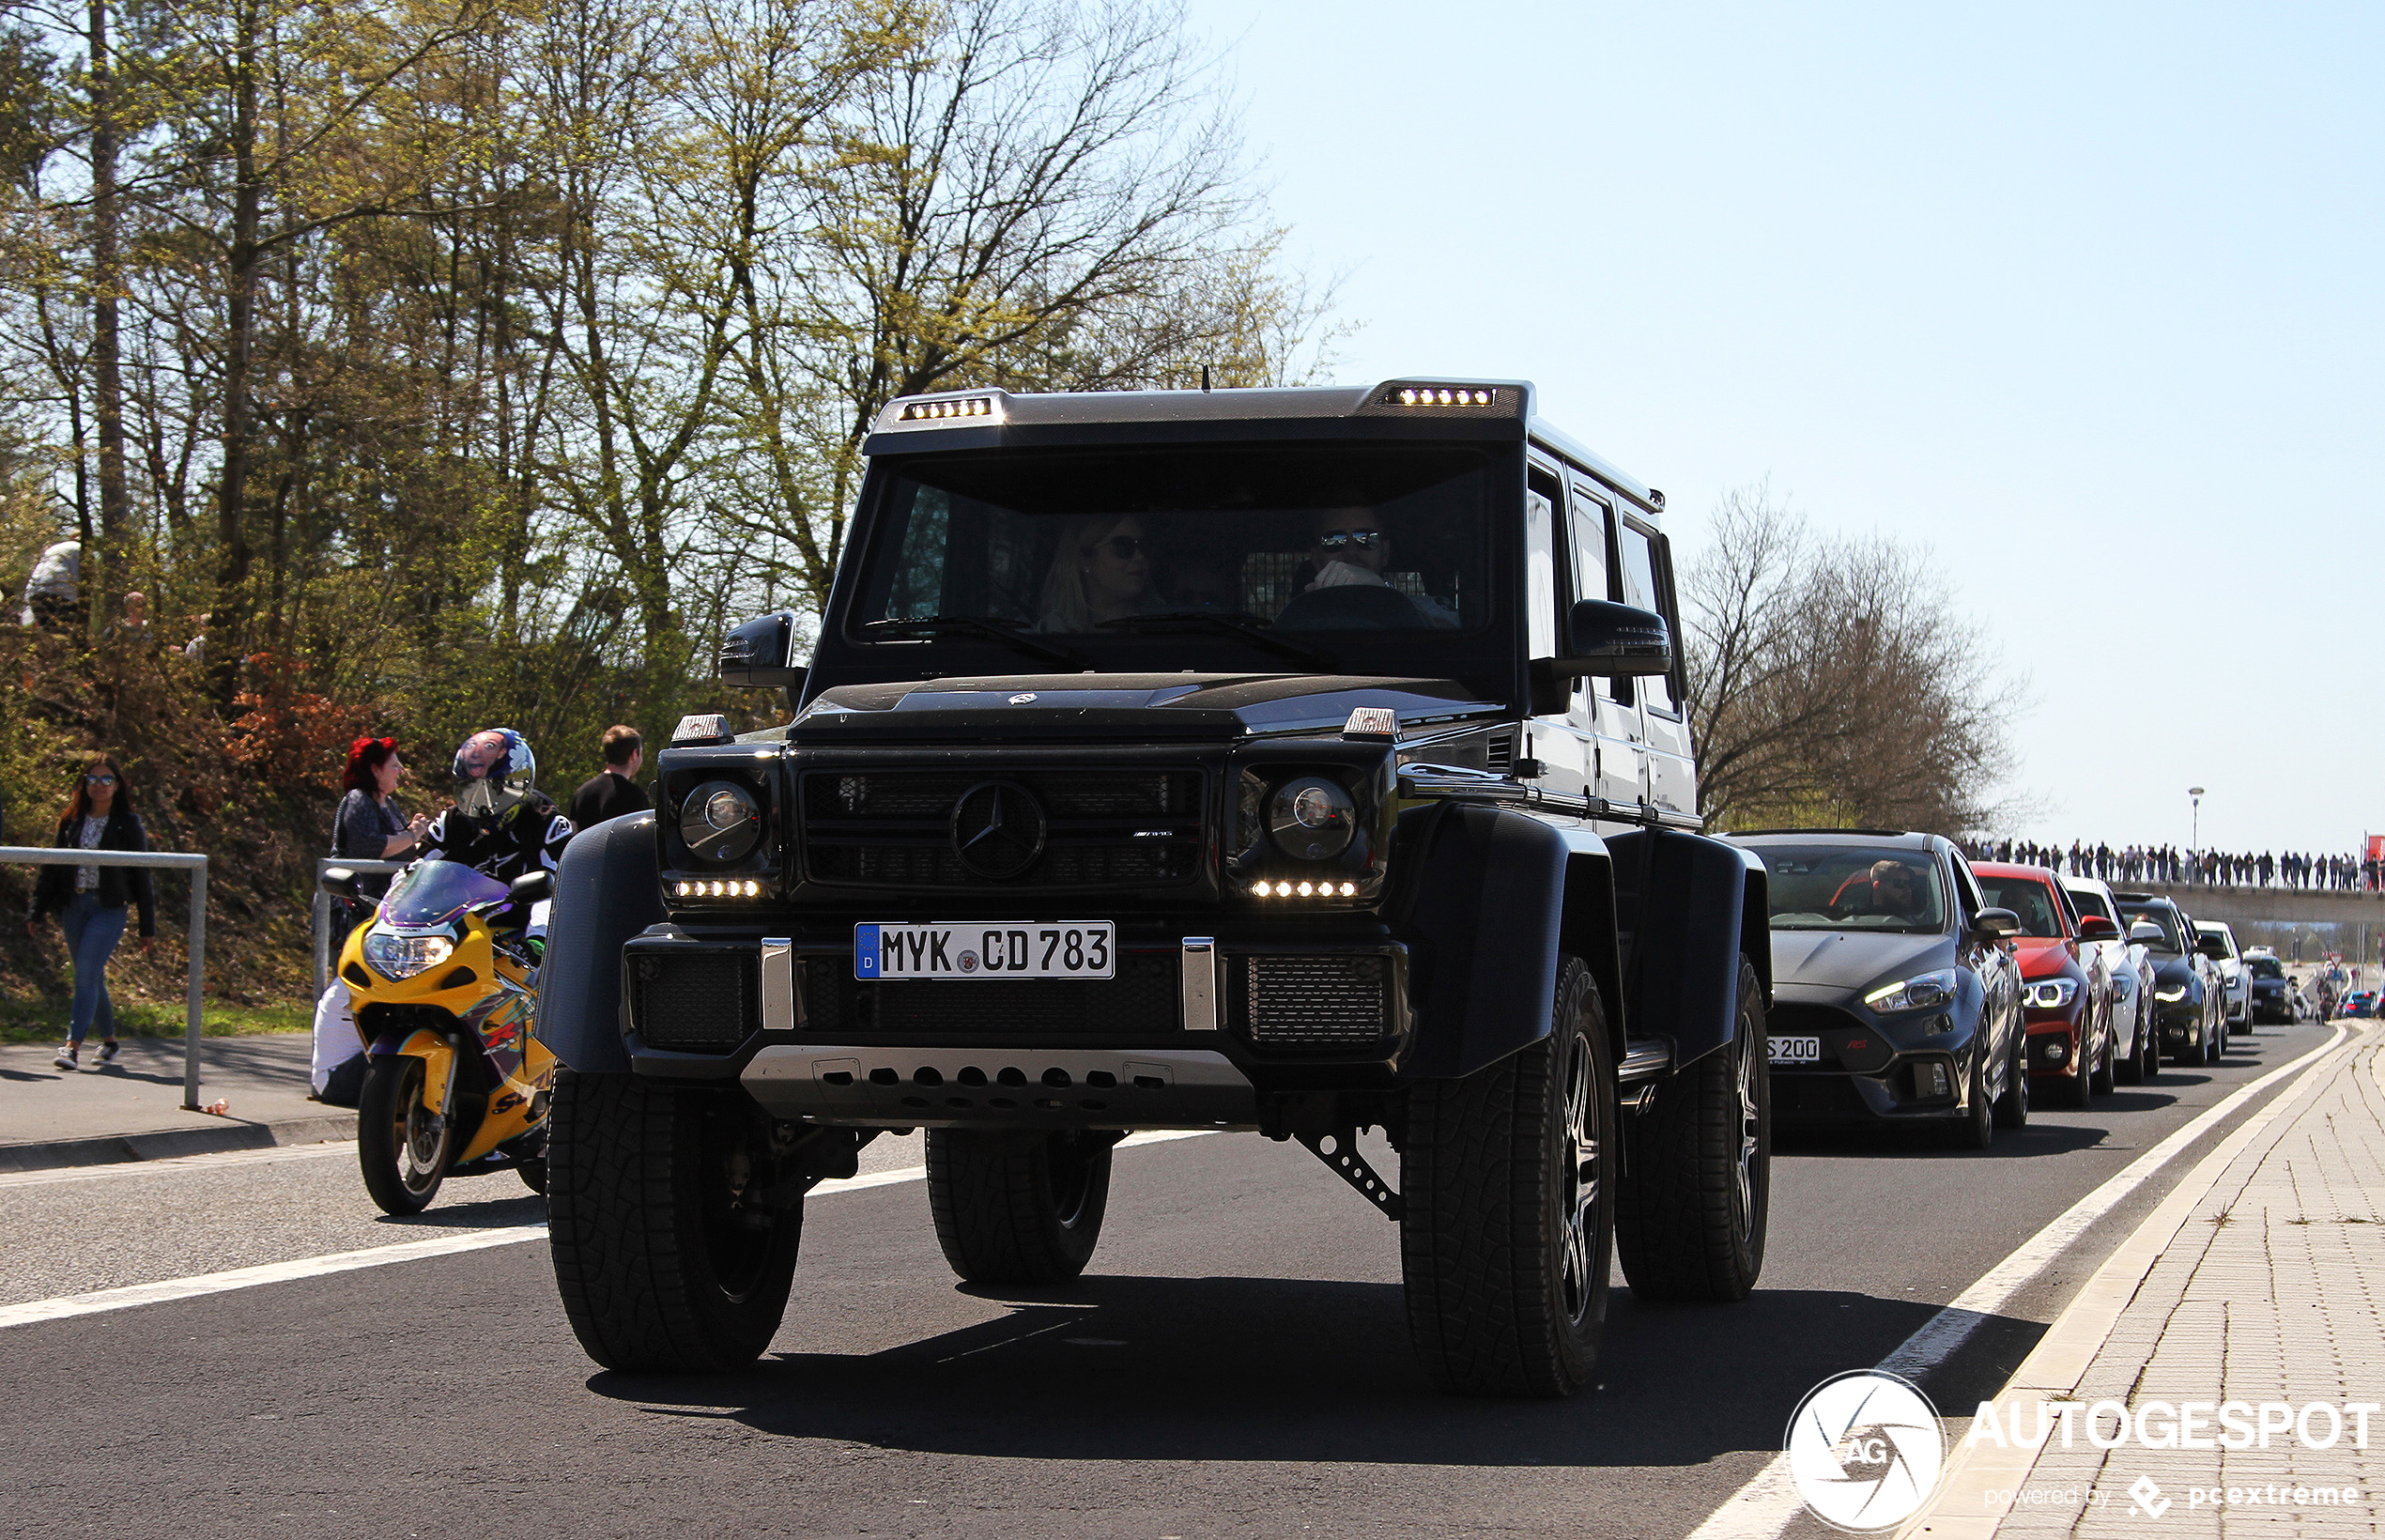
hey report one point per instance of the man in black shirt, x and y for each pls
(616, 792)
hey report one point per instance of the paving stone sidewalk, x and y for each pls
(2273, 1290)
(134, 1110)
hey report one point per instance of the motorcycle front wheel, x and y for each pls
(403, 1146)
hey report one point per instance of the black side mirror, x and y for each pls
(1615, 640)
(1996, 924)
(531, 887)
(754, 657)
(339, 882)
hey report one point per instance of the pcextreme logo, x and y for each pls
(1866, 1450)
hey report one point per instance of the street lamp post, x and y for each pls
(2194, 836)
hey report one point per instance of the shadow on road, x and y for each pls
(507, 1202)
(1908, 1144)
(1277, 1369)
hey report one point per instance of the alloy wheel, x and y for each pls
(1584, 1132)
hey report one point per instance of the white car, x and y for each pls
(2136, 1053)
(2233, 972)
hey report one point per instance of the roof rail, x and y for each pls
(1885, 834)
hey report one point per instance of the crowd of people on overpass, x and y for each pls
(2135, 864)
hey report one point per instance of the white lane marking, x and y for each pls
(272, 1272)
(1765, 1506)
(374, 1257)
(178, 1164)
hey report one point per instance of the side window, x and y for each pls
(1967, 888)
(1588, 530)
(1540, 568)
(1640, 587)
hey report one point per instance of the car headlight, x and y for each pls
(1919, 993)
(720, 821)
(2051, 994)
(395, 955)
(2172, 995)
(1311, 818)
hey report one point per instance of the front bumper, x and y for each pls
(2056, 1045)
(1192, 1031)
(1873, 1069)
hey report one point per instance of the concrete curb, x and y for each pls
(227, 1133)
(2053, 1371)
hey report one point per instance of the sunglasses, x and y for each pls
(1366, 540)
(99, 780)
(1124, 546)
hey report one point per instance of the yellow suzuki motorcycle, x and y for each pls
(456, 1083)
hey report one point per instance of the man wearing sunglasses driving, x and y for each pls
(1351, 547)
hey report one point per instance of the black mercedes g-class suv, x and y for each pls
(1288, 760)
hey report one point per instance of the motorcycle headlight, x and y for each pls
(395, 955)
(1311, 818)
(720, 821)
(2051, 994)
(2172, 995)
(1919, 993)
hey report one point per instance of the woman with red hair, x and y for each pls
(367, 828)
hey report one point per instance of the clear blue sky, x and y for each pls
(2088, 298)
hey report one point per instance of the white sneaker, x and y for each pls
(70, 1057)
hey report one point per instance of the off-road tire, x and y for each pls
(2012, 1107)
(1509, 1225)
(1691, 1206)
(391, 1096)
(2104, 1077)
(1018, 1208)
(656, 1272)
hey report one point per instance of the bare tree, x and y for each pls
(1833, 681)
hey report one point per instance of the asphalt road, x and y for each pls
(1235, 1365)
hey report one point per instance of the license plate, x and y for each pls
(1796, 1050)
(1072, 949)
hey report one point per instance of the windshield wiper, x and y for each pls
(1223, 623)
(991, 627)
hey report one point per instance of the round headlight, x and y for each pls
(1311, 818)
(720, 821)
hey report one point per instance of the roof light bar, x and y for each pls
(947, 408)
(1445, 396)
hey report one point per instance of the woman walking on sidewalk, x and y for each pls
(90, 899)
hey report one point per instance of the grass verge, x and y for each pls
(36, 1020)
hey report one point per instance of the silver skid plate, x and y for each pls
(877, 1085)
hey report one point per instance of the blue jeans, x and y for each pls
(92, 934)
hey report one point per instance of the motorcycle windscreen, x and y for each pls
(435, 892)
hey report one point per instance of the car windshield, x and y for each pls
(2027, 897)
(435, 892)
(2267, 967)
(1852, 887)
(2221, 933)
(2090, 903)
(2159, 914)
(1088, 544)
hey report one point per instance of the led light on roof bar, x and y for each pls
(1445, 396)
(950, 406)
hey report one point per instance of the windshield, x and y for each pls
(2156, 913)
(1088, 544)
(435, 892)
(2267, 967)
(2031, 900)
(2226, 937)
(1841, 887)
(2091, 903)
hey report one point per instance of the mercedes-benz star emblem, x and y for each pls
(997, 829)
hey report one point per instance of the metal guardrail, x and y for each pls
(323, 913)
(196, 867)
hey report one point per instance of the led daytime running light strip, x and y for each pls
(921, 411)
(1444, 395)
(739, 889)
(1306, 890)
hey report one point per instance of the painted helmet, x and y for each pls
(493, 771)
